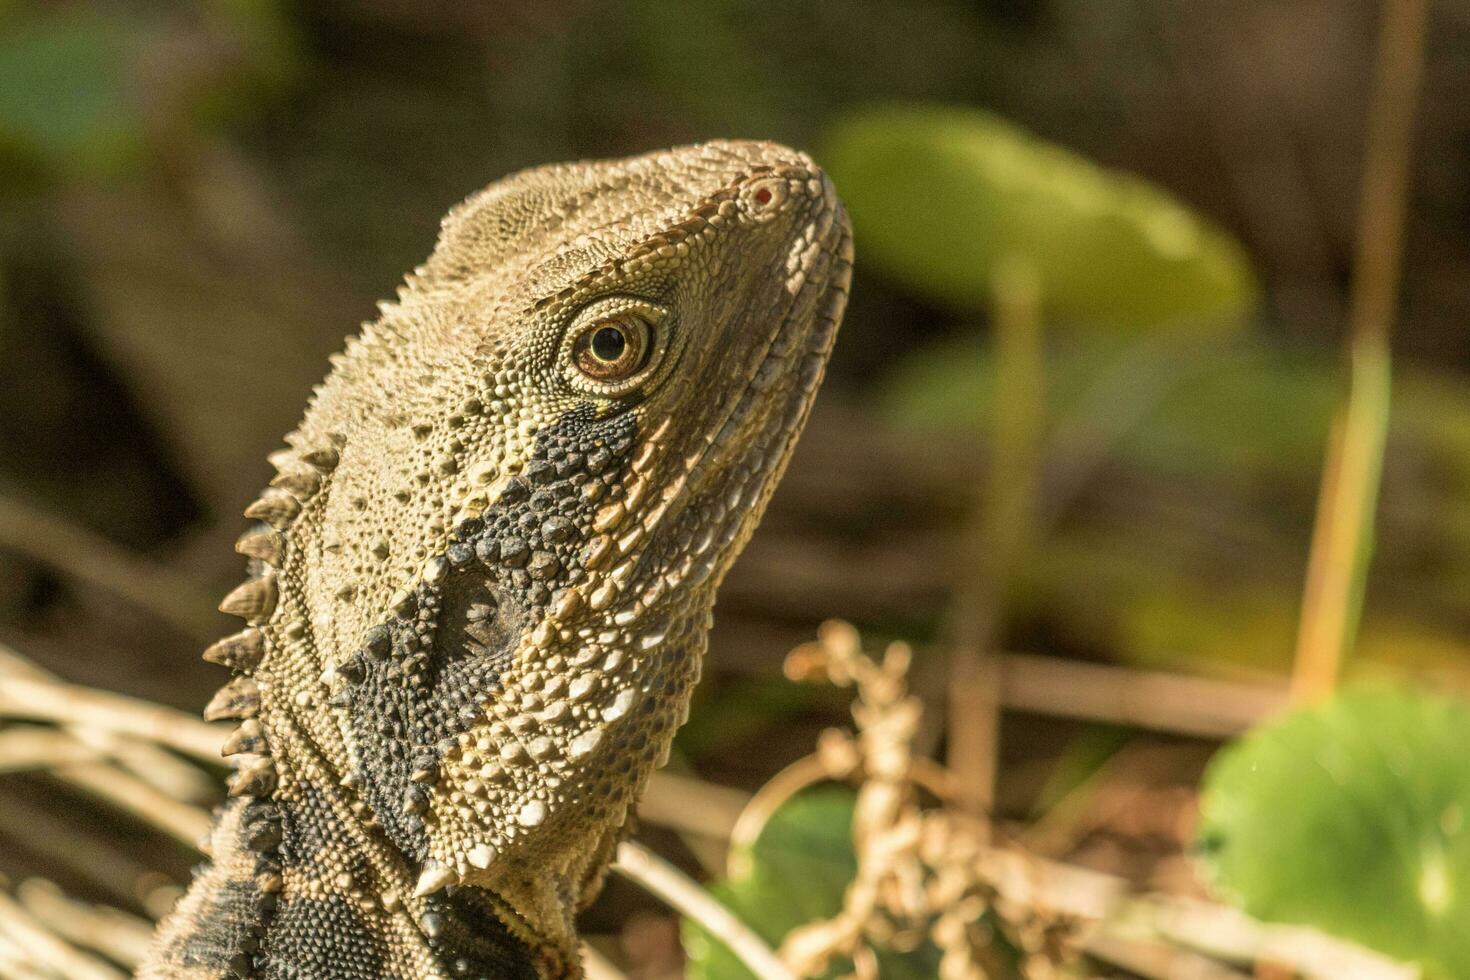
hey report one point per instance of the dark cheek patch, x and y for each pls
(425, 689)
(421, 678)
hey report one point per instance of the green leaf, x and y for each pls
(939, 196)
(797, 871)
(1350, 817)
(67, 100)
(1224, 410)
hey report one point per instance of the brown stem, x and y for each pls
(1342, 538)
(998, 537)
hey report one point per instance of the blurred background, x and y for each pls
(1074, 427)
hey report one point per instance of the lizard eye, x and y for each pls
(614, 348)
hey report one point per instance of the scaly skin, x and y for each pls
(483, 579)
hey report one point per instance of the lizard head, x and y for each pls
(500, 527)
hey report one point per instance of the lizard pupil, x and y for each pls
(608, 343)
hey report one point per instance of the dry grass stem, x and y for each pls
(1342, 537)
(28, 747)
(88, 557)
(153, 764)
(998, 535)
(182, 821)
(13, 961)
(700, 813)
(63, 847)
(691, 806)
(120, 937)
(1154, 959)
(647, 869)
(44, 954)
(71, 704)
(1230, 934)
(1151, 700)
(599, 967)
(144, 759)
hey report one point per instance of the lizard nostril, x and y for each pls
(764, 197)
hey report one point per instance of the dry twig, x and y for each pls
(71, 704)
(120, 937)
(89, 557)
(640, 865)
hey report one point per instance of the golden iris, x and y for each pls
(614, 348)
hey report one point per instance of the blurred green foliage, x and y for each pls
(795, 873)
(66, 99)
(743, 711)
(1227, 438)
(1243, 412)
(940, 196)
(89, 91)
(1351, 817)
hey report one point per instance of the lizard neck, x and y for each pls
(347, 906)
(300, 887)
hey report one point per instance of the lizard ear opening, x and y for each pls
(615, 346)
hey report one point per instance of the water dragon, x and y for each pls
(482, 579)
